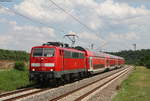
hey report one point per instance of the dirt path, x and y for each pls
(6, 64)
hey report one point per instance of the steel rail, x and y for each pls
(25, 95)
(100, 86)
(66, 94)
(18, 91)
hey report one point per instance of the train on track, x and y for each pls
(57, 61)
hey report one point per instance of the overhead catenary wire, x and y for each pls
(28, 18)
(75, 18)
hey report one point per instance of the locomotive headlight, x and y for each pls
(33, 69)
(35, 64)
(49, 64)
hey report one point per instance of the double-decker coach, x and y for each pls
(99, 61)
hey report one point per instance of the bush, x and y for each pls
(148, 64)
(14, 55)
(20, 65)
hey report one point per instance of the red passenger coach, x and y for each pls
(95, 61)
(55, 60)
(98, 61)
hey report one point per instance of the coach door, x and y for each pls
(90, 64)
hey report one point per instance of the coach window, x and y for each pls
(75, 55)
(67, 54)
(81, 55)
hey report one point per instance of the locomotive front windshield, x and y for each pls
(43, 52)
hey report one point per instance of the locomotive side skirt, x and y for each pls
(47, 75)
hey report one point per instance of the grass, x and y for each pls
(13, 79)
(136, 87)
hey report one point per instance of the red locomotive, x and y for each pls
(55, 60)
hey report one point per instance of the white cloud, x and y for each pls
(4, 10)
(123, 37)
(134, 1)
(89, 12)
(116, 10)
(46, 11)
(117, 21)
(24, 37)
(42, 10)
(88, 36)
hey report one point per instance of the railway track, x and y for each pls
(83, 93)
(9, 96)
(76, 94)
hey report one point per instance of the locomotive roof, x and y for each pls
(51, 46)
(88, 52)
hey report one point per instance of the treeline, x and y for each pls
(138, 57)
(14, 55)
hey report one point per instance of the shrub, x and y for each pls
(20, 65)
(147, 64)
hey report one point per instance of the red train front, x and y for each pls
(51, 61)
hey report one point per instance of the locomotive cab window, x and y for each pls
(75, 55)
(48, 52)
(43, 52)
(37, 52)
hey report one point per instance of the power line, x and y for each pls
(75, 18)
(28, 18)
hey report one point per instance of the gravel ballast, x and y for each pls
(110, 91)
(55, 92)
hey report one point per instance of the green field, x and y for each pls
(136, 87)
(13, 79)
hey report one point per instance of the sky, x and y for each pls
(111, 25)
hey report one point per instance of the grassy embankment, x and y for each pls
(136, 87)
(13, 79)
(10, 78)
